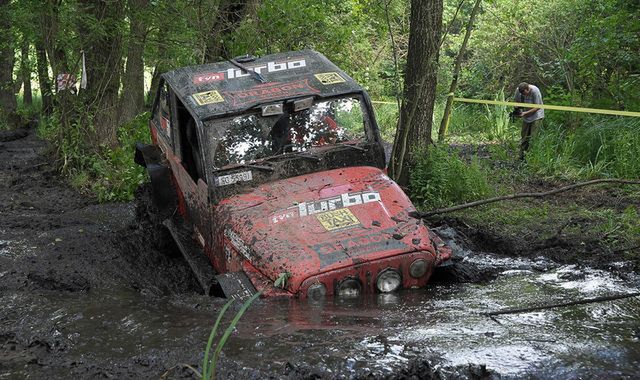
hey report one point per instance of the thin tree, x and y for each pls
(444, 124)
(414, 128)
(25, 72)
(8, 103)
(132, 98)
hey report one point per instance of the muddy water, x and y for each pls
(382, 334)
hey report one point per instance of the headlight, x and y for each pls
(418, 268)
(316, 292)
(388, 281)
(349, 287)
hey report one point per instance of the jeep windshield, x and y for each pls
(248, 137)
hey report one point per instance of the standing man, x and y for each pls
(531, 117)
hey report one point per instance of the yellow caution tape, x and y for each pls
(530, 105)
(550, 107)
(382, 102)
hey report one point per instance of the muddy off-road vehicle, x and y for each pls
(272, 165)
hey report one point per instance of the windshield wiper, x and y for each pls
(249, 166)
(305, 155)
(293, 154)
(353, 146)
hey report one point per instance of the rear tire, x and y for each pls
(149, 219)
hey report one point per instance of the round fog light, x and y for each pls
(349, 287)
(418, 268)
(388, 281)
(316, 292)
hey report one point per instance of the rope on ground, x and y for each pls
(562, 304)
(417, 214)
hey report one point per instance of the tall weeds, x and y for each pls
(601, 147)
(441, 178)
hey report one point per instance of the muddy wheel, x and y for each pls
(149, 219)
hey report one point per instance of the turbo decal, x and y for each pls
(207, 97)
(234, 73)
(337, 219)
(327, 204)
(331, 252)
(271, 91)
(270, 68)
(208, 78)
(230, 179)
(238, 244)
(335, 203)
(329, 78)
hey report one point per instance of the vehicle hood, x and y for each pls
(320, 222)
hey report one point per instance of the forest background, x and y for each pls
(579, 53)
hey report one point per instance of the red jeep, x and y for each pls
(273, 165)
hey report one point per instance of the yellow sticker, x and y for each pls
(336, 219)
(208, 97)
(330, 78)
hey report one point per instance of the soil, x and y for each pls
(56, 242)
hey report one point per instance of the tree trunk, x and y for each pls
(132, 99)
(230, 15)
(52, 40)
(444, 124)
(8, 103)
(43, 78)
(25, 73)
(103, 52)
(414, 127)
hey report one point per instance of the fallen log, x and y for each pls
(417, 214)
(562, 304)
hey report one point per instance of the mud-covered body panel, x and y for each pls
(321, 222)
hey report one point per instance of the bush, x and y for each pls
(441, 178)
(601, 147)
(110, 174)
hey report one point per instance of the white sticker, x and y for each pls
(238, 244)
(230, 179)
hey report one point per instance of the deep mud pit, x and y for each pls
(85, 292)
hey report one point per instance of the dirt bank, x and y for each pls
(596, 226)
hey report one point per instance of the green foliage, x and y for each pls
(481, 122)
(110, 174)
(441, 178)
(586, 50)
(387, 118)
(602, 147)
(497, 119)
